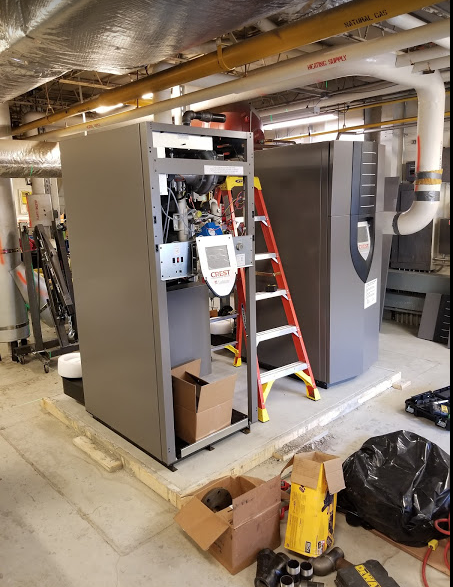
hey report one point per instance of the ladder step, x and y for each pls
(282, 372)
(220, 347)
(261, 219)
(275, 333)
(264, 256)
(222, 318)
(265, 295)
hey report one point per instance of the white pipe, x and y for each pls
(423, 55)
(300, 107)
(432, 65)
(13, 313)
(279, 76)
(430, 129)
(40, 187)
(357, 94)
(409, 22)
(165, 117)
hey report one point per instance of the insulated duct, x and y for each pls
(42, 39)
(343, 18)
(29, 159)
(13, 313)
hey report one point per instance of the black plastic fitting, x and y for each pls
(204, 116)
(270, 567)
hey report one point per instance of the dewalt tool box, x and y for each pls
(370, 574)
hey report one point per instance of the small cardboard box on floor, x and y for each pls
(200, 408)
(236, 534)
(316, 479)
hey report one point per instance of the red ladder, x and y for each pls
(301, 368)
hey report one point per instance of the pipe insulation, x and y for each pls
(41, 40)
(13, 312)
(338, 20)
(286, 75)
(29, 158)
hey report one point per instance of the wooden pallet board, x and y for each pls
(436, 560)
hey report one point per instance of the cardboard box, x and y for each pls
(200, 408)
(235, 535)
(316, 479)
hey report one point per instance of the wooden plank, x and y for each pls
(106, 439)
(436, 560)
(109, 463)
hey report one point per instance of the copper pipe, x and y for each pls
(336, 21)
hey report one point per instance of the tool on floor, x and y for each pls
(270, 568)
(329, 562)
(368, 574)
(433, 405)
(301, 368)
(287, 581)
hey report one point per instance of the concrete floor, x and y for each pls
(65, 522)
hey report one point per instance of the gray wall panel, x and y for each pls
(108, 235)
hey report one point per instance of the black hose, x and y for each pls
(190, 115)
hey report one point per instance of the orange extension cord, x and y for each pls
(445, 532)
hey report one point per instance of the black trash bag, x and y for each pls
(399, 484)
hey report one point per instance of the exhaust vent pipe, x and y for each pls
(190, 115)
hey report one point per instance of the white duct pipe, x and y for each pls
(430, 129)
(409, 22)
(280, 76)
(13, 313)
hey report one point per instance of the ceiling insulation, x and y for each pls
(42, 39)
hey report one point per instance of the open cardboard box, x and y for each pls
(316, 479)
(235, 535)
(200, 408)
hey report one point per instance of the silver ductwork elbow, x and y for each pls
(29, 159)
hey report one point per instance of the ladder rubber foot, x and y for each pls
(313, 394)
(263, 416)
(237, 362)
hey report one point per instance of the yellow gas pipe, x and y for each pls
(343, 18)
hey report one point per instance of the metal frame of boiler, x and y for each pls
(163, 165)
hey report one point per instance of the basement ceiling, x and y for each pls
(43, 39)
(72, 50)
